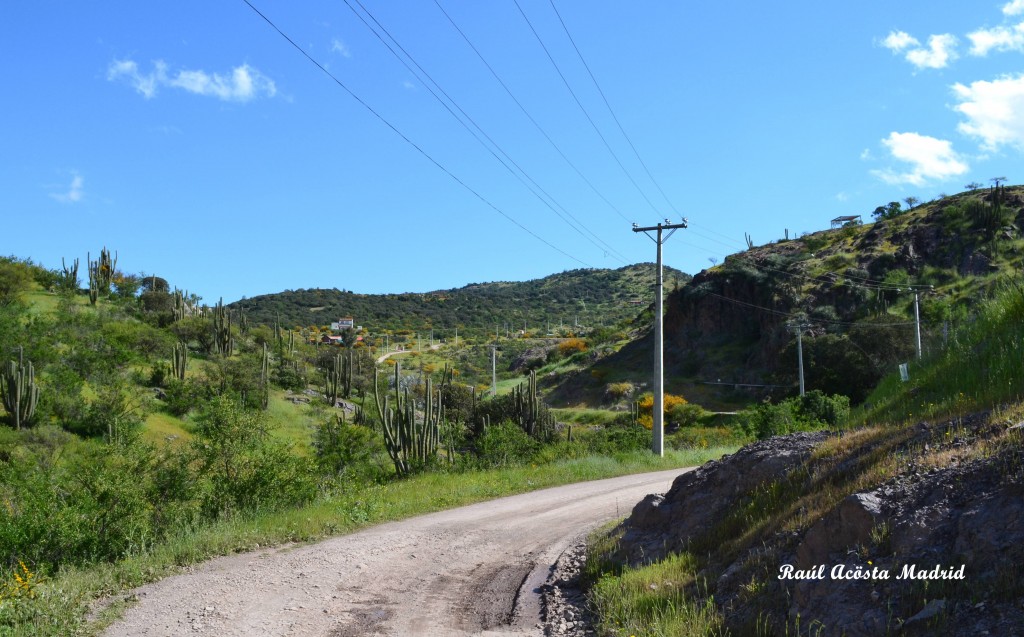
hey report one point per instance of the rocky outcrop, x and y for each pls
(702, 499)
(933, 550)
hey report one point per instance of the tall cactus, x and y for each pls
(179, 360)
(533, 416)
(333, 380)
(69, 276)
(411, 442)
(222, 330)
(101, 273)
(19, 391)
(265, 378)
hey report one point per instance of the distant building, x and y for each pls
(346, 323)
(847, 220)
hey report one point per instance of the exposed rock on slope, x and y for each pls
(954, 506)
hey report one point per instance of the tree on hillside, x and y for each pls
(888, 212)
(974, 185)
(15, 279)
(911, 202)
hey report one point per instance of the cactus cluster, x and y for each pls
(338, 377)
(411, 442)
(19, 391)
(101, 273)
(182, 307)
(530, 412)
(69, 276)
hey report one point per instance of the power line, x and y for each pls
(803, 317)
(604, 245)
(394, 129)
(610, 110)
(582, 108)
(527, 113)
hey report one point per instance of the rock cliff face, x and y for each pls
(935, 549)
(729, 322)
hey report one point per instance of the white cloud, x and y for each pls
(74, 193)
(1016, 7)
(994, 111)
(929, 159)
(896, 41)
(407, 85)
(842, 196)
(940, 52)
(337, 46)
(865, 155)
(998, 38)
(242, 85)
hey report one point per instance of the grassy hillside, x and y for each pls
(730, 335)
(591, 296)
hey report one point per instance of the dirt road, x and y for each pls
(467, 571)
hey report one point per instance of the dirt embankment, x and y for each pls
(923, 533)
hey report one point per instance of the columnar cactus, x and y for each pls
(69, 276)
(19, 391)
(265, 378)
(533, 416)
(179, 360)
(222, 330)
(333, 380)
(411, 442)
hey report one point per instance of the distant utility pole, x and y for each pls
(658, 427)
(800, 327)
(917, 324)
(917, 317)
(494, 370)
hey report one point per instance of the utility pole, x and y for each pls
(917, 324)
(800, 327)
(494, 370)
(658, 427)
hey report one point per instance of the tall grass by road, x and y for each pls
(59, 604)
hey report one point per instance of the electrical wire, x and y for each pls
(527, 113)
(583, 109)
(409, 141)
(805, 318)
(604, 246)
(610, 109)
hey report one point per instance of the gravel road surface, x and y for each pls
(476, 570)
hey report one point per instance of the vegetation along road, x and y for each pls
(467, 571)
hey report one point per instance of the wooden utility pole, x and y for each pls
(494, 370)
(658, 427)
(917, 324)
(800, 327)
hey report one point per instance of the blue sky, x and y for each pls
(196, 141)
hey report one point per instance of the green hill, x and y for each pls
(589, 296)
(728, 332)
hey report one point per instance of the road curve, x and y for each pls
(466, 571)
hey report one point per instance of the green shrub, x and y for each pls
(814, 410)
(243, 466)
(686, 414)
(504, 444)
(342, 447)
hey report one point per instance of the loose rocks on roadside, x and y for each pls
(564, 601)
